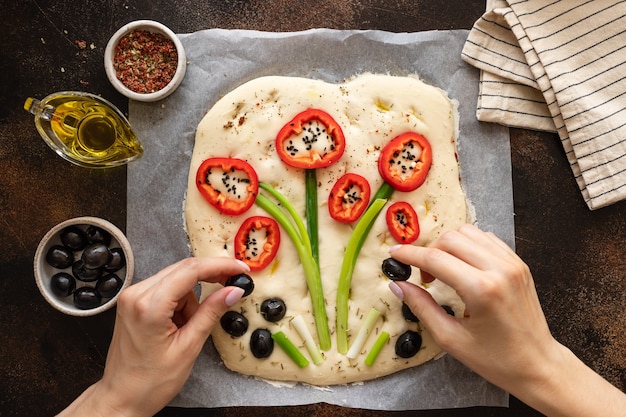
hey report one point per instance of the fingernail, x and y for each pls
(396, 290)
(244, 265)
(233, 296)
(394, 248)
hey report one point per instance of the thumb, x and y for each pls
(435, 319)
(199, 326)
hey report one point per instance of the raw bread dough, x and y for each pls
(371, 109)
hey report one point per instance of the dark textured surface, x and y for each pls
(46, 358)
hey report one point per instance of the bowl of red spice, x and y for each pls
(145, 60)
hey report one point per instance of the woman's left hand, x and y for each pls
(160, 329)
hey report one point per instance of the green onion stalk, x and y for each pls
(353, 248)
(380, 342)
(297, 232)
(311, 212)
(290, 349)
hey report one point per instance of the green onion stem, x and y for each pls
(311, 211)
(291, 210)
(309, 343)
(290, 349)
(311, 269)
(359, 234)
(384, 192)
(364, 332)
(378, 345)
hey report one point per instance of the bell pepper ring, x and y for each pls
(402, 222)
(256, 242)
(229, 184)
(312, 139)
(404, 162)
(349, 198)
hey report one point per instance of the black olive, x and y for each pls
(117, 261)
(273, 309)
(86, 298)
(396, 270)
(408, 314)
(448, 310)
(96, 234)
(96, 256)
(74, 238)
(234, 323)
(85, 274)
(109, 285)
(62, 284)
(60, 257)
(243, 281)
(261, 343)
(408, 344)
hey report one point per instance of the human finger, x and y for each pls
(190, 271)
(436, 262)
(187, 307)
(472, 246)
(488, 240)
(207, 314)
(425, 307)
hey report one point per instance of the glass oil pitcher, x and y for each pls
(85, 129)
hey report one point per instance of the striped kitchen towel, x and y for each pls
(559, 66)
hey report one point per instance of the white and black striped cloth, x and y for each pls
(559, 66)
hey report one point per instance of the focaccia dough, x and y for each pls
(371, 109)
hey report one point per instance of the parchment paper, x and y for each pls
(220, 60)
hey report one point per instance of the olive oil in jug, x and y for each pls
(85, 129)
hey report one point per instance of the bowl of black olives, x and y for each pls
(82, 264)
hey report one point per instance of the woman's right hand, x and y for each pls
(503, 334)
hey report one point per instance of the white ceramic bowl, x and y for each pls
(154, 27)
(44, 271)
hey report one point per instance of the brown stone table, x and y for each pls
(578, 257)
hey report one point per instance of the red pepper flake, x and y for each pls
(144, 61)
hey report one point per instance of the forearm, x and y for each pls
(93, 402)
(569, 388)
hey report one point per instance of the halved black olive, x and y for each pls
(243, 281)
(408, 314)
(408, 344)
(396, 270)
(261, 343)
(234, 323)
(273, 309)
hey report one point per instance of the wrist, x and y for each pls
(563, 386)
(99, 401)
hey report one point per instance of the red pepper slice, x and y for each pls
(402, 222)
(349, 198)
(257, 241)
(229, 184)
(312, 139)
(404, 162)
